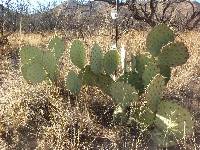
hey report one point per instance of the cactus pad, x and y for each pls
(141, 61)
(50, 65)
(34, 57)
(173, 123)
(146, 118)
(102, 81)
(87, 76)
(150, 71)
(56, 45)
(133, 62)
(159, 36)
(133, 79)
(153, 93)
(123, 93)
(165, 71)
(29, 53)
(120, 116)
(73, 83)
(78, 54)
(96, 59)
(111, 61)
(173, 54)
(142, 115)
(33, 72)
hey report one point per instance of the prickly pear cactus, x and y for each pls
(50, 65)
(102, 81)
(145, 117)
(143, 69)
(138, 92)
(151, 70)
(173, 123)
(146, 114)
(78, 54)
(56, 46)
(30, 53)
(159, 36)
(33, 72)
(73, 83)
(96, 59)
(111, 61)
(141, 61)
(123, 94)
(133, 79)
(93, 74)
(168, 53)
(133, 62)
(38, 65)
(153, 93)
(87, 76)
(165, 71)
(173, 54)
(120, 116)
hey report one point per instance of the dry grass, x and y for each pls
(39, 117)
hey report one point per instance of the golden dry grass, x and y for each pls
(25, 123)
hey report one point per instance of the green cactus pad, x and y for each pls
(124, 78)
(50, 65)
(56, 45)
(29, 53)
(153, 93)
(123, 93)
(78, 54)
(142, 116)
(159, 36)
(73, 83)
(150, 71)
(33, 72)
(162, 138)
(133, 79)
(135, 112)
(102, 81)
(133, 63)
(141, 61)
(173, 54)
(146, 118)
(173, 122)
(87, 76)
(46, 59)
(165, 71)
(96, 59)
(120, 116)
(111, 61)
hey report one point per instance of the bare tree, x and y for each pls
(83, 18)
(3, 14)
(162, 11)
